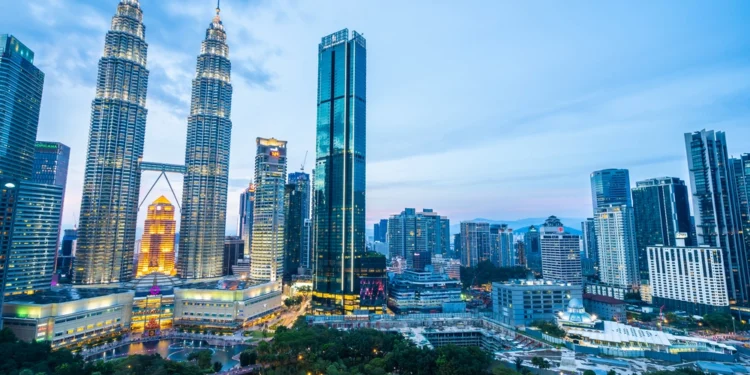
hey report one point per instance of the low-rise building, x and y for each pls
(521, 302)
(605, 307)
(67, 317)
(225, 305)
(424, 291)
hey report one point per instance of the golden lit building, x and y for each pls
(157, 244)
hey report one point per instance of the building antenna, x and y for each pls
(302, 167)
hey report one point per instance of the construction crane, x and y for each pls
(302, 167)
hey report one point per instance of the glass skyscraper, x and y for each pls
(245, 225)
(51, 168)
(618, 255)
(718, 221)
(741, 169)
(209, 131)
(533, 250)
(296, 212)
(610, 187)
(109, 205)
(267, 253)
(339, 182)
(417, 236)
(661, 207)
(21, 86)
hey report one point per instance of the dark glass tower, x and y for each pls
(21, 86)
(339, 190)
(716, 207)
(533, 249)
(741, 169)
(296, 211)
(109, 205)
(661, 208)
(209, 131)
(610, 187)
(245, 225)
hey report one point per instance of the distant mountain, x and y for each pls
(572, 225)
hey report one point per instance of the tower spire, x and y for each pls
(217, 19)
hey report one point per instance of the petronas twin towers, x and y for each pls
(109, 207)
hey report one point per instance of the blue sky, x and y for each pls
(495, 109)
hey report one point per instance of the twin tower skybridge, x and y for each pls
(163, 168)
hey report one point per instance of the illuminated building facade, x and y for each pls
(51, 168)
(417, 236)
(225, 306)
(112, 180)
(157, 243)
(610, 187)
(501, 246)
(69, 317)
(267, 253)
(339, 177)
(204, 195)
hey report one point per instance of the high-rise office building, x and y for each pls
(475, 243)
(687, 278)
(233, 258)
(296, 212)
(51, 163)
(31, 260)
(716, 207)
(245, 225)
(209, 131)
(21, 85)
(457, 246)
(561, 254)
(51, 168)
(741, 168)
(267, 254)
(418, 235)
(380, 231)
(157, 243)
(69, 242)
(502, 252)
(661, 208)
(533, 249)
(610, 187)
(590, 245)
(339, 190)
(618, 254)
(112, 180)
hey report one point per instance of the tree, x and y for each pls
(202, 357)
(611, 372)
(519, 363)
(540, 363)
(217, 366)
(502, 370)
(549, 328)
(248, 357)
(718, 321)
(589, 372)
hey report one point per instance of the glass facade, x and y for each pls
(610, 187)
(741, 169)
(51, 168)
(21, 86)
(112, 180)
(533, 250)
(716, 207)
(590, 245)
(31, 259)
(267, 253)
(662, 209)
(418, 234)
(618, 254)
(296, 211)
(339, 180)
(209, 131)
(245, 225)
(475, 243)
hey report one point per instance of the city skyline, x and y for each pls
(711, 81)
